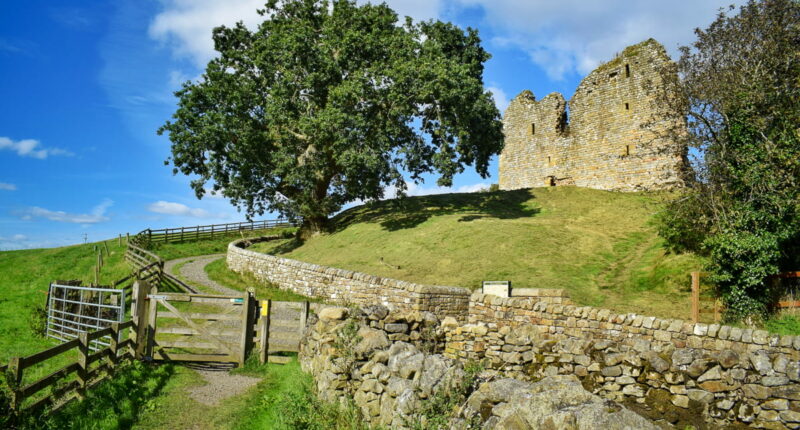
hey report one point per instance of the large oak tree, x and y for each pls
(327, 103)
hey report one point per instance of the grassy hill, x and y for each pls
(600, 246)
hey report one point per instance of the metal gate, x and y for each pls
(72, 310)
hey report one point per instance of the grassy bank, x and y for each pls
(600, 246)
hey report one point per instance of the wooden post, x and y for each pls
(181, 234)
(197, 233)
(247, 326)
(212, 231)
(105, 245)
(15, 371)
(83, 363)
(695, 297)
(114, 346)
(151, 324)
(149, 235)
(303, 317)
(139, 313)
(119, 240)
(264, 333)
(127, 238)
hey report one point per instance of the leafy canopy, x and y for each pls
(330, 102)
(741, 88)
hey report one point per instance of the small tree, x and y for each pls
(740, 83)
(330, 102)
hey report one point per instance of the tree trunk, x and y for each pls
(313, 226)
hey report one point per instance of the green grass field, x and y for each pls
(600, 246)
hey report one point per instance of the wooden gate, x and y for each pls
(214, 328)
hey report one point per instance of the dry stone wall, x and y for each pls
(612, 135)
(343, 286)
(388, 364)
(708, 376)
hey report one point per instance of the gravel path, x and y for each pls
(194, 271)
(220, 383)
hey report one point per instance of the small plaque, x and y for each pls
(497, 288)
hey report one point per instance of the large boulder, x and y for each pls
(556, 402)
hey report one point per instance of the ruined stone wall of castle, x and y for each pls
(612, 134)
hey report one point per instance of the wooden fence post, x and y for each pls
(695, 297)
(119, 240)
(15, 382)
(127, 238)
(303, 317)
(264, 333)
(139, 314)
(83, 363)
(247, 326)
(114, 346)
(152, 312)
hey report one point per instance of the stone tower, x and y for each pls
(612, 134)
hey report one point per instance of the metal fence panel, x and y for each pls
(72, 310)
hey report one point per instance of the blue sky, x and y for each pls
(85, 84)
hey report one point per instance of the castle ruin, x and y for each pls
(614, 134)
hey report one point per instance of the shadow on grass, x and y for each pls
(409, 212)
(117, 402)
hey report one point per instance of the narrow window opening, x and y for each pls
(549, 161)
(627, 150)
(533, 129)
(627, 106)
(627, 71)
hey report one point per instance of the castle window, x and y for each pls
(627, 106)
(627, 151)
(627, 71)
(533, 129)
(550, 161)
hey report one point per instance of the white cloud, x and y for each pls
(172, 208)
(500, 98)
(185, 25)
(413, 189)
(7, 187)
(97, 215)
(569, 36)
(30, 148)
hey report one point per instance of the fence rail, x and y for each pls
(180, 234)
(86, 374)
(717, 307)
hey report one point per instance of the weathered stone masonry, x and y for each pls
(344, 286)
(709, 376)
(614, 137)
(673, 371)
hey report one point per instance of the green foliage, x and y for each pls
(345, 342)
(286, 400)
(303, 410)
(37, 320)
(784, 325)
(743, 207)
(437, 410)
(328, 102)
